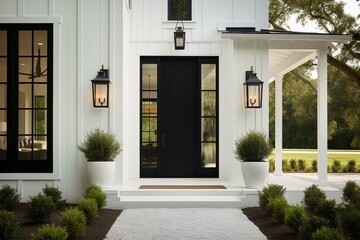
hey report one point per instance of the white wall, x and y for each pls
(88, 33)
(152, 34)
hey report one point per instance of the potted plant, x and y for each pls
(100, 149)
(252, 150)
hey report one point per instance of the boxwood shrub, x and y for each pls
(294, 217)
(89, 207)
(40, 208)
(9, 198)
(74, 221)
(55, 194)
(277, 206)
(95, 192)
(270, 191)
(50, 232)
(9, 226)
(328, 233)
(310, 224)
(313, 196)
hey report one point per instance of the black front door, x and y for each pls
(179, 117)
(179, 124)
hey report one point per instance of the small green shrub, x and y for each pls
(314, 165)
(50, 232)
(325, 233)
(271, 165)
(313, 196)
(293, 164)
(278, 208)
(294, 217)
(349, 221)
(9, 198)
(55, 194)
(310, 224)
(40, 208)
(9, 226)
(74, 221)
(89, 207)
(253, 146)
(95, 192)
(336, 166)
(351, 194)
(328, 210)
(285, 165)
(344, 169)
(270, 191)
(351, 166)
(301, 164)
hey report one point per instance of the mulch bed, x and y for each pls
(268, 226)
(95, 229)
(98, 227)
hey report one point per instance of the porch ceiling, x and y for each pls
(288, 50)
(282, 61)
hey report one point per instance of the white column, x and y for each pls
(322, 124)
(278, 125)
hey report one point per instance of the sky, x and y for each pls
(351, 6)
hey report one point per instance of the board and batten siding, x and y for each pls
(89, 33)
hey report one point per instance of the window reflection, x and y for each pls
(149, 116)
(208, 115)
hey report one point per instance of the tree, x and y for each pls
(330, 17)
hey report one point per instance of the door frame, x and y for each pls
(146, 172)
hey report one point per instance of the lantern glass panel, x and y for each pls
(100, 95)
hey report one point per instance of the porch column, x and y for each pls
(278, 125)
(322, 118)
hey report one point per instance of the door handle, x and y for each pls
(163, 140)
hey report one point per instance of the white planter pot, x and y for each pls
(255, 174)
(101, 173)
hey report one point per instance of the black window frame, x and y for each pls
(13, 162)
(172, 16)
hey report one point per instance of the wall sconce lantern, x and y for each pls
(179, 37)
(100, 89)
(253, 90)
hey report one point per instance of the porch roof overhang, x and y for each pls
(288, 50)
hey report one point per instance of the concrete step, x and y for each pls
(181, 192)
(153, 198)
(180, 201)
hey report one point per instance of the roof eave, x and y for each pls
(339, 38)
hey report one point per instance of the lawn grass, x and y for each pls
(344, 156)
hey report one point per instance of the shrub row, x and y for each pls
(73, 221)
(300, 166)
(317, 217)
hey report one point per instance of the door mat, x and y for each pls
(182, 187)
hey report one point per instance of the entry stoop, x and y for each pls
(181, 198)
(174, 198)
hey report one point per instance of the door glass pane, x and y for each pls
(208, 155)
(149, 116)
(208, 115)
(208, 103)
(25, 95)
(3, 69)
(208, 77)
(25, 43)
(40, 122)
(3, 43)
